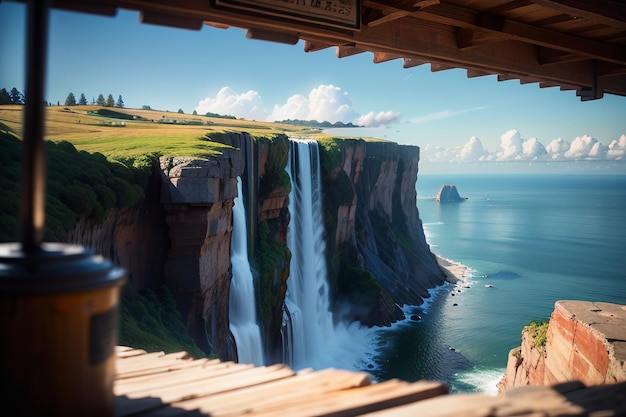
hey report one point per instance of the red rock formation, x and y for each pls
(586, 341)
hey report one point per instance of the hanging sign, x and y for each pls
(342, 13)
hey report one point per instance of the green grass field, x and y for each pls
(152, 131)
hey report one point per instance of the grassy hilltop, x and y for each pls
(129, 133)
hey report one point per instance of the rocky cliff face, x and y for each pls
(181, 234)
(585, 341)
(378, 230)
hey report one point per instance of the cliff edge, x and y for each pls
(585, 341)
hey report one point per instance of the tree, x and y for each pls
(146, 107)
(120, 102)
(83, 100)
(70, 100)
(101, 101)
(110, 102)
(180, 111)
(5, 97)
(195, 113)
(16, 96)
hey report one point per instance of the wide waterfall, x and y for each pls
(310, 336)
(242, 305)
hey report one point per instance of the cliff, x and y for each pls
(585, 341)
(180, 235)
(379, 244)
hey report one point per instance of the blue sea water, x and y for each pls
(529, 241)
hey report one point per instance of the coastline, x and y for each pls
(454, 271)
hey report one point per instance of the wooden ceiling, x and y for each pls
(569, 44)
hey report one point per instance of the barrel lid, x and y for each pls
(55, 268)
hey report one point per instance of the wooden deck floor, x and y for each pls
(158, 384)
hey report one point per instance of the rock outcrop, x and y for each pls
(448, 194)
(585, 341)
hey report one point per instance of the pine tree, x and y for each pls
(120, 102)
(110, 102)
(16, 96)
(83, 100)
(70, 100)
(5, 97)
(101, 101)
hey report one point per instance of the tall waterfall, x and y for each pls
(310, 336)
(242, 304)
(307, 287)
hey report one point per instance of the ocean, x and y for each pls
(529, 240)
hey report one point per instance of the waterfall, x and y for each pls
(307, 287)
(242, 303)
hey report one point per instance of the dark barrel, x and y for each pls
(59, 319)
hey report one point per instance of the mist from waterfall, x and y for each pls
(242, 301)
(312, 338)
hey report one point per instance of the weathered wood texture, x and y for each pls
(158, 384)
(574, 44)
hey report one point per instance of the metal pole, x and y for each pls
(33, 152)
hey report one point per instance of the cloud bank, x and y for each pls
(324, 103)
(513, 147)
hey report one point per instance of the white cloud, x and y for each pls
(533, 149)
(473, 150)
(617, 148)
(515, 148)
(580, 147)
(228, 102)
(380, 119)
(557, 148)
(324, 103)
(511, 145)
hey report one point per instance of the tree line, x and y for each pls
(100, 101)
(17, 97)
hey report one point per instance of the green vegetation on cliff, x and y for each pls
(538, 331)
(152, 322)
(79, 184)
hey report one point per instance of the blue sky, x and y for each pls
(224, 72)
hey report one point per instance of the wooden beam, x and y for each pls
(412, 62)
(270, 35)
(608, 12)
(385, 56)
(435, 67)
(477, 73)
(314, 46)
(179, 22)
(388, 18)
(470, 38)
(461, 17)
(557, 40)
(548, 56)
(349, 50)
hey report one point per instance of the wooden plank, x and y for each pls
(178, 376)
(126, 352)
(151, 362)
(274, 394)
(358, 401)
(228, 382)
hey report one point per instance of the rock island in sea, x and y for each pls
(448, 194)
